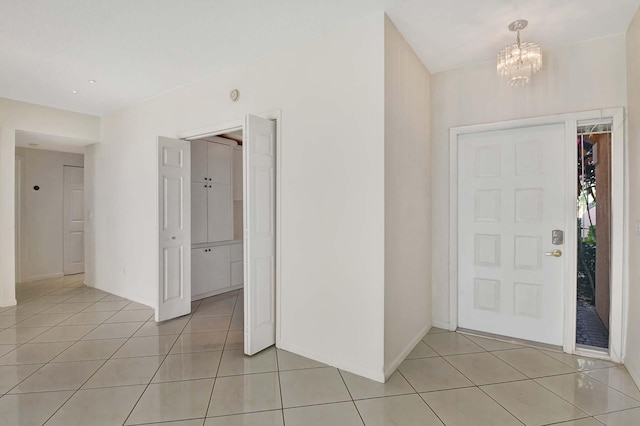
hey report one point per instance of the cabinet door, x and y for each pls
(200, 271)
(199, 212)
(219, 223)
(199, 160)
(237, 273)
(220, 158)
(237, 174)
(220, 263)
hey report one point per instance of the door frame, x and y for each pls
(18, 218)
(619, 285)
(238, 124)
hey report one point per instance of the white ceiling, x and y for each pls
(137, 49)
(35, 140)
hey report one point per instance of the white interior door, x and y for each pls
(259, 233)
(511, 196)
(174, 196)
(73, 227)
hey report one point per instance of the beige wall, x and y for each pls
(632, 350)
(407, 272)
(42, 219)
(585, 76)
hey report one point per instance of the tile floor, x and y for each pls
(72, 355)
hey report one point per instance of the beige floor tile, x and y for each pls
(89, 350)
(468, 407)
(235, 340)
(87, 297)
(208, 324)
(405, 410)
(484, 368)
(108, 406)
(134, 306)
(533, 363)
(621, 418)
(172, 401)
(362, 388)
(125, 372)
(34, 353)
(51, 299)
(113, 298)
(589, 421)
(67, 308)
(192, 422)
(11, 320)
(87, 318)
(43, 320)
(588, 394)
(451, 344)
(291, 361)
(314, 386)
(195, 365)
(5, 349)
(532, 403)
(617, 378)
(27, 309)
(152, 328)
(264, 418)
(14, 336)
(422, 350)
(114, 331)
(200, 342)
(146, 346)
(131, 316)
(245, 394)
(30, 409)
(579, 363)
(235, 362)
(493, 344)
(222, 308)
(343, 414)
(58, 376)
(11, 375)
(106, 306)
(237, 323)
(436, 330)
(68, 333)
(431, 374)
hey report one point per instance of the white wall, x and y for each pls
(407, 272)
(585, 76)
(331, 93)
(41, 235)
(632, 352)
(35, 118)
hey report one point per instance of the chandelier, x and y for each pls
(519, 61)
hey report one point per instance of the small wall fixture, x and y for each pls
(519, 61)
(234, 95)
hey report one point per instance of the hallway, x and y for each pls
(73, 355)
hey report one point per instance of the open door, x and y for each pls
(174, 197)
(259, 234)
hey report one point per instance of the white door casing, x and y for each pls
(174, 196)
(259, 161)
(73, 228)
(511, 196)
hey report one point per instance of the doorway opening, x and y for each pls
(593, 208)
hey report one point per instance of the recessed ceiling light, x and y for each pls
(92, 81)
(75, 92)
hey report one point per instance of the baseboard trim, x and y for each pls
(440, 324)
(34, 278)
(634, 374)
(130, 297)
(405, 352)
(7, 303)
(346, 365)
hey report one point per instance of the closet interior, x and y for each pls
(216, 215)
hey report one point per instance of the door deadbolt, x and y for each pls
(557, 237)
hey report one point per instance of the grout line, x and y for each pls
(350, 396)
(279, 385)
(420, 396)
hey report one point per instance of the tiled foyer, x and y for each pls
(72, 355)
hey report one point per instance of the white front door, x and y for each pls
(73, 227)
(174, 196)
(511, 196)
(259, 233)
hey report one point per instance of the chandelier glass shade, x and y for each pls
(519, 61)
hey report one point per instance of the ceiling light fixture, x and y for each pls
(75, 92)
(519, 61)
(92, 81)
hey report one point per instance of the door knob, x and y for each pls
(555, 253)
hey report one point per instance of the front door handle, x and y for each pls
(555, 253)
